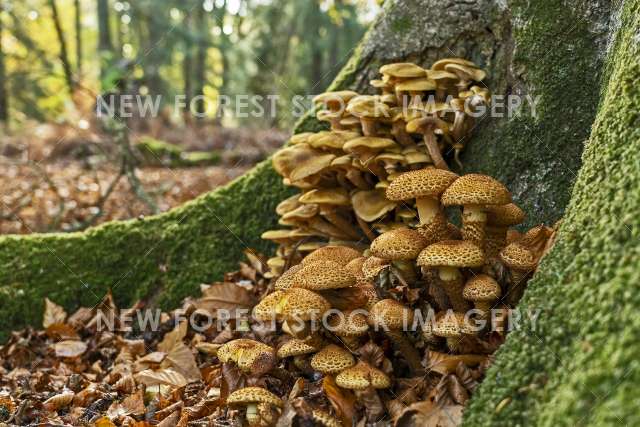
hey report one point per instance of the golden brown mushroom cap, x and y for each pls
(322, 275)
(441, 63)
(288, 158)
(390, 314)
(370, 143)
(518, 257)
(349, 324)
(451, 253)
(420, 183)
(476, 189)
(362, 376)
(398, 244)
(328, 196)
(265, 310)
(451, 325)
(416, 84)
(481, 288)
(325, 419)
(335, 100)
(505, 215)
(340, 254)
(310, 167)
(355, 267)
(301, 304)
(371, 205)
(248, 355)
(403, 70)
(332, 359)
(288, 278)
(295, 347)
(373, 265)
(248, 395)
(467, 72)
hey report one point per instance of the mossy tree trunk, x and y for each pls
(561, 55)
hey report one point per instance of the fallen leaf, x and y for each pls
(182, 360)
(172, 338)
(445, 364)
(170, 377)
(427, 414)
(343, 401)
(226, 296)
(104, 422)
(69, 348)
(59, 401)
(345, 298)
(53, 313)
(61, 331)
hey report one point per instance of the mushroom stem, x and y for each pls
(365, 228)
(453, 284)
(341, 223)
(434, 151)
(408, 351)
(335, 123)
(484, 307)
(356, 178)
(399, 131)
(454, 343)
(369, 127)
(473, 224)
(405, 271)
(517, 287)
(428, 208)
(252, 413)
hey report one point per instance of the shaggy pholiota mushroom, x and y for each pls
(449, 256)
(475, 193)
(349, 327)
(453, 326)
(331, 202)
(428, 124)
(322, 275)
(394, 319)
(297, 349)
(262, 408)
(339, 254)
(332, 359)
(499, 219)
(483, 291)
(401, 246)
(364, 380)
(251, 357)
(426, 187)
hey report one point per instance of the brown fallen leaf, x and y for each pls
(427, 414)
(62, 331)
(345, 298)
(172, 338)
(104, 422)
(170, 377)
(131, 405)
(225, 296)
(59, 401)
(182, 360)
(69, 348)
(445, 364)
(343, 401)
(53, 313)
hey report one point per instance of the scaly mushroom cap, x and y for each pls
(335, 100)
(265, 310)
(340, 254)
(441, 63)
(451, 253)
(288, 278)
(249, 395)
(332, 359)
(505, 215)
(373, 265)
(371, 205)
(295, 347)
(325, 419)
(399, 244)
(350, 324)
(322, 275)
(420, 183)
(481, 288)
(451, 325)
(476, 189)
(404, 70)
(248, 355)
(329, 196)
(355, 267)
(362, 376)
(518, 257)
(301, 304)
(389, 313)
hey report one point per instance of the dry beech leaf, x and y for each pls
(104, 422)
(69, 348)
(170, 421)
(458, 393)
(226, 296)
(427, 414)
(182, 360)
(345, 298)
(59, 401)
(172, 338)
(62, 331)
(343, 401)
(445, 364)
(170, 377)
(131, 405)
(53, 313)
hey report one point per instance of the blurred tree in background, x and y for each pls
(56, 56)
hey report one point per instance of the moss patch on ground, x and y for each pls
(166, 256)
(578, 364)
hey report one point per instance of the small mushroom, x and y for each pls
(448, 256)
(370, 110)
(415, 87)
(340, 254)
(329, 200)
(366, 148)
(483, 291)
(322, 275)
(428, 127)
(361, 376)
(475, 193)
(393, 317)
(444, 82)
(425, 186)
(453, 327)
(258, 403)
(466, 74)
(325, 419)
(332, 359)
(251, 357)
(349, 326)
(297, 349)
(401, 246)
(499, 219)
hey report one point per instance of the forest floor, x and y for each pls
(56, 178)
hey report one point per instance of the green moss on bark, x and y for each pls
(578, 364)
(166, 256)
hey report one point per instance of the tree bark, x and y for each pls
(63, 55)
(4, 90)
(105, 46)
(200, 76)
(78, 31)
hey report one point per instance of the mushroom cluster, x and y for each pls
(420, 117)
(373, 259)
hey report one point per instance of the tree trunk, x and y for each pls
(63, 55)
(577, 363)
(105, 47)
(200, 76)
(78, 30)
(4, 90)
